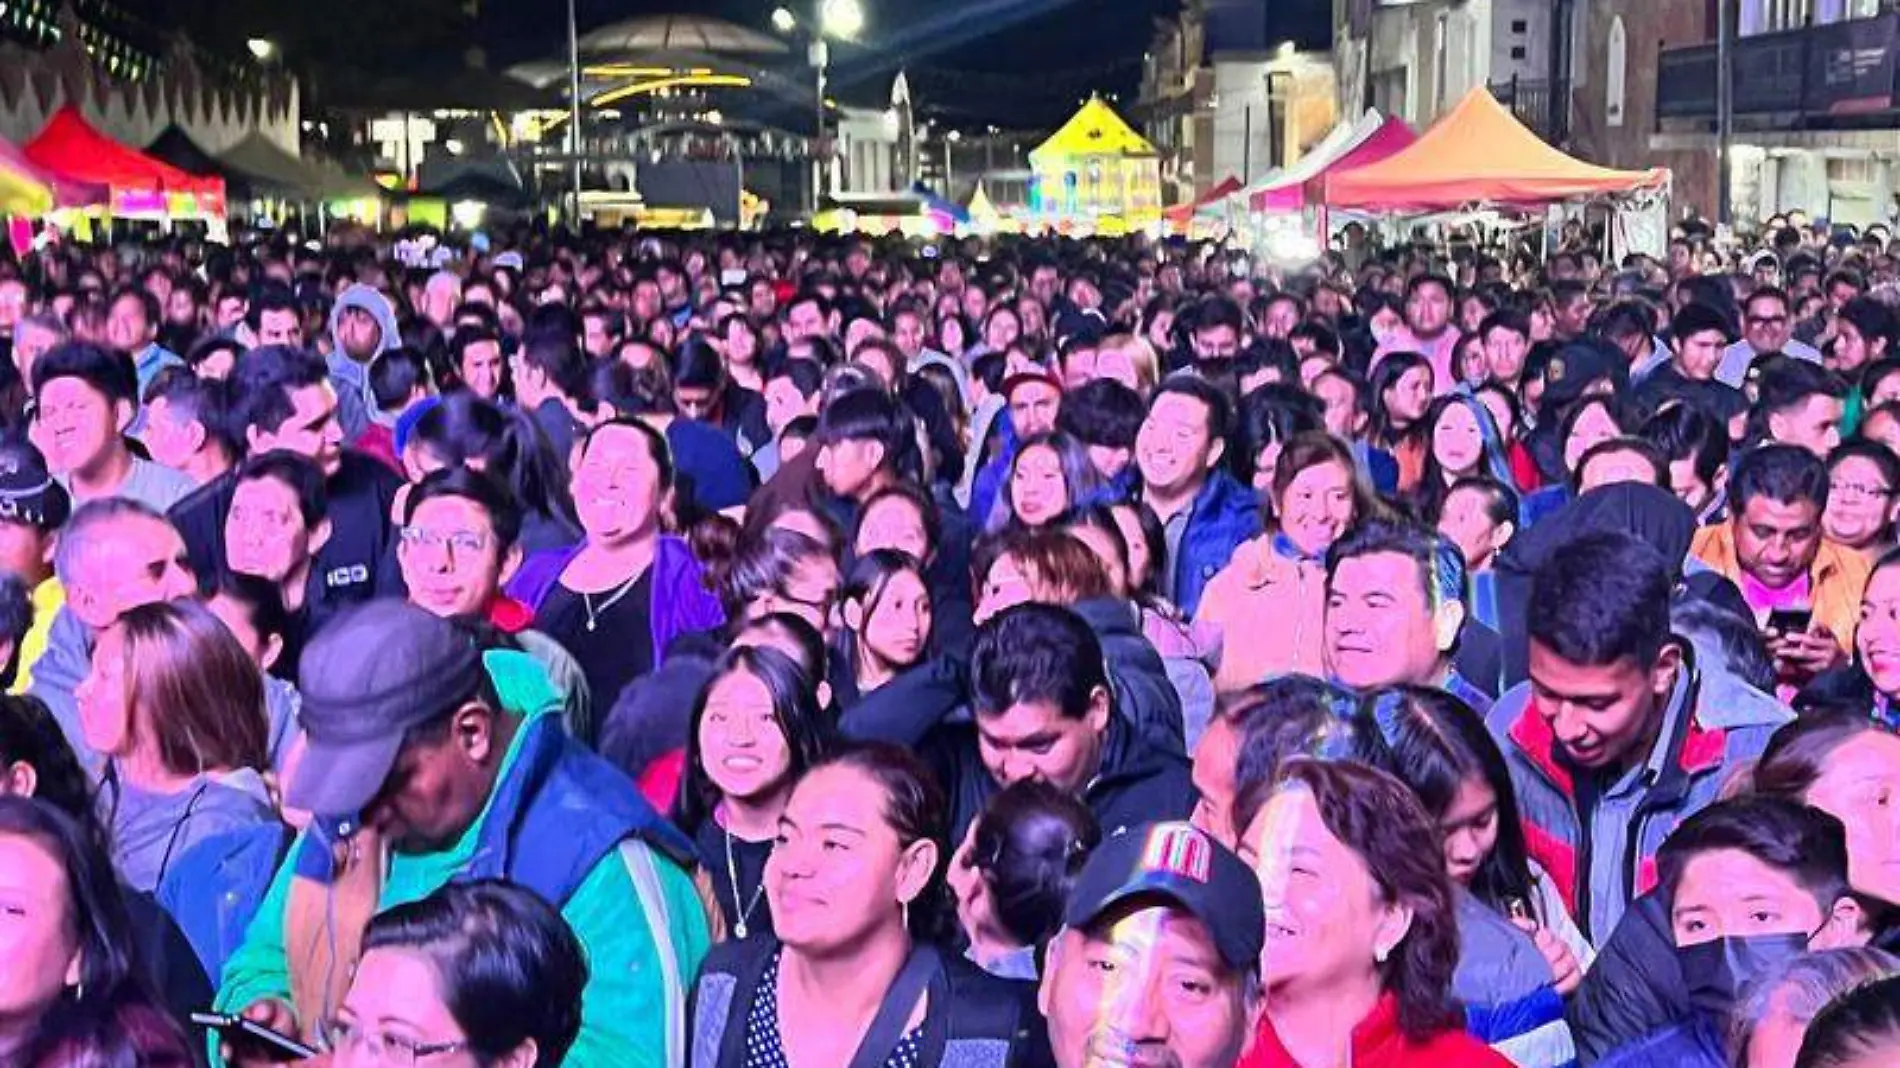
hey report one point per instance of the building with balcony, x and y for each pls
(1816, 103)
(1416, 59)
(1233, 89)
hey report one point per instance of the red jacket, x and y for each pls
(1377, 1043)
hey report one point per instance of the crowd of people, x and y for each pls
(784, 651)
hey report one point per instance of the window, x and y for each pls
(1518, 52)
(1520, 26)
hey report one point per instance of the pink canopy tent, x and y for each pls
(1392, 135)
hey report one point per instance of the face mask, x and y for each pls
(1717, 972)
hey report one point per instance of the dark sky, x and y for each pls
(1018, 63)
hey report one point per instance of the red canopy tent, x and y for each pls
(73, 149)
(1182, 214)
(1478, 154)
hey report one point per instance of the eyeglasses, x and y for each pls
(1767, 320)
(1861, 491)
(460, 543)
(385, 1048)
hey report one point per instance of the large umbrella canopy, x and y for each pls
(272, 171)
(1478, 154)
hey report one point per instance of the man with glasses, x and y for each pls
(458, 545)
(1767, 329)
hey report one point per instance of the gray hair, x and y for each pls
(81, 537)
(1804, 985)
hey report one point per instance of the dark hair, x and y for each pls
(1099, 516)
(916, 810)
(1036, 652)
(1806, 843)
(1688, 432)
(928, 515)
(812, 655)
(1029, 844)
(1785, 474)
(657, 447)
(29, 734)
(148, 304)
(806, 376)
(867, 580)
(1434, 743)
(1871, 451)
(1219, 411)
(764, 562)
(1634, 446)
(205, 401)
(1393, 367)
(809, 732)
(1602, 598)
(1782, 383)
(868, 414)
(1861, 1023)
(697, 365)
(94, 1025)
(463, 483)
(394, 375)
(1500, 501)
(108, 372)
(1798, 752)
(1102, 412)
(263, 602)
(1275, 414)
(1081, 481)
(462, 429)
(508, 967)
(1286, 717)
(1439, 580)
(1513, 321)
(262, 381)
(297, 473)
(1379, 819)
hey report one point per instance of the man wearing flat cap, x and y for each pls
(432, 759)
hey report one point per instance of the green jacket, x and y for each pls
(631, 998)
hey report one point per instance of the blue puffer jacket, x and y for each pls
(1225, 515)
(1509, 995)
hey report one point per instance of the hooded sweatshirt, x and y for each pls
(354, 401)
(151, 831)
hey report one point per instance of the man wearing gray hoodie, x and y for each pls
(362, 327)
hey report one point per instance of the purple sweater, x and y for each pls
(681, 602)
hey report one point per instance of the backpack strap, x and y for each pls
(645, 875)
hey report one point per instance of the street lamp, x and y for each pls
(843, 19)
(261, 48)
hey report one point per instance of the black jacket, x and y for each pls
(1144, 696)
(927, 709)
(973, 1020)
(1634, 988)
(357, 563)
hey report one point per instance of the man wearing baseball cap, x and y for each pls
(1171, 909)
(430, 759)
(1033, 398)
(32, 509)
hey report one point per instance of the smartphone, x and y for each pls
(1791, 620)
(242, 1032)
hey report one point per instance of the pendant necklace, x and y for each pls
(594, 614)
(732, 873)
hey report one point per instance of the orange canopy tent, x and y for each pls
(1478, 154)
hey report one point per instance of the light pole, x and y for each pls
(574, 110)
(843, 19)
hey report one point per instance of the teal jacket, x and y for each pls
(573, 828)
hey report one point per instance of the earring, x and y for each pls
(903, 908)
(1379, 953)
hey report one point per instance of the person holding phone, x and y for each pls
(1803, 587)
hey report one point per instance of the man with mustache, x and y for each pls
(1157, 963)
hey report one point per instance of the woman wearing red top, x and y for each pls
(1361, 940)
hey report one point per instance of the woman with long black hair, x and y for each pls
(70, 991)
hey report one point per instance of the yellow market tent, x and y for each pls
(1096, 166)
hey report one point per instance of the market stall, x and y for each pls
(1181, 216)
(72, 149)
(1479, 154)
(1271, 192)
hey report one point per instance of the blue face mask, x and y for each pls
(1716, 972)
